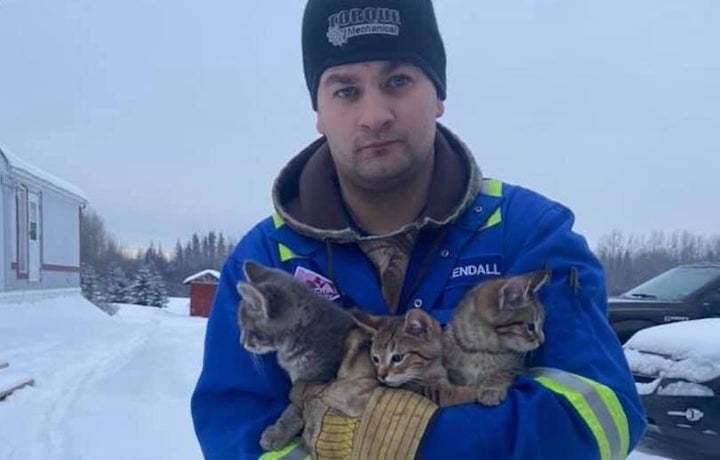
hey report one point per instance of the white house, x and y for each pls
(39, 228)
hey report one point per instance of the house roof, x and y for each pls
(20, 167)
(213, 273)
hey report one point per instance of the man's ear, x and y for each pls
(440, 108)
(319, 124)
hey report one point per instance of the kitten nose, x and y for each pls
(382, 374)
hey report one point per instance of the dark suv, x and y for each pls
(679, 294)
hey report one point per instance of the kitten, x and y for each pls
(279, 313)
(407, 353)
(495, 324)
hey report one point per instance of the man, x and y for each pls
(391, 212)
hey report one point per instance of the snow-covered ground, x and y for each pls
(106, 388)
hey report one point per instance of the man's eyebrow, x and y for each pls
(338, 78)
(350, 79)
(392, 66)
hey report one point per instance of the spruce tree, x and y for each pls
(148, 288)
(91, 285)
(118, 286)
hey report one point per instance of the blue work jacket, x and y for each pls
(578, 401)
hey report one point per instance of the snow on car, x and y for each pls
(677, 373)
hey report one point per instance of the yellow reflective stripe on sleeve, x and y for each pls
(580, 405)
(285, 252)
(293, 451)
(596, 404)
(492, 187)
(616, 412)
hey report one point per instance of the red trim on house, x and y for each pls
(60, 268)
(49, 268)
(20, 276)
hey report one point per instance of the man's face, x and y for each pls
(379, 120)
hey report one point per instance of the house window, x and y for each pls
(22, 230)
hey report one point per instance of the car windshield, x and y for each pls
(675, 284)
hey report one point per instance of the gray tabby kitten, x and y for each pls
(407, 353)
(495, 324)
(282, 314)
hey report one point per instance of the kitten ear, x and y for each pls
(254, 271)
(367, 322)
(517, 289)
(538, 279)
(512, 293)
(420, 324)
(253, 300)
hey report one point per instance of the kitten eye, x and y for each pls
(376, 359)
(530, 327)
(397, 358)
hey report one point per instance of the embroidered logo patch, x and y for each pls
(477, 268)
(319, 283)
(346, 24)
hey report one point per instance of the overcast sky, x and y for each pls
(174, 117)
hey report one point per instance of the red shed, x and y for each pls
(202, 291)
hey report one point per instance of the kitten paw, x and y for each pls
(273, 438)
(491, 396)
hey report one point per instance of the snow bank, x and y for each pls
(106, 387)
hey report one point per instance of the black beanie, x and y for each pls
(336, 32)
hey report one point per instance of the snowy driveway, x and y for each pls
(107, 388)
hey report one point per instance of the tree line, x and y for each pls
(630, 259)
(110, 273)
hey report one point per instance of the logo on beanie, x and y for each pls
(354, 22)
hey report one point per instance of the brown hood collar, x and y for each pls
(306, 193)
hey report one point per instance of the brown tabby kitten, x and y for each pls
(492, 328)
(282, 314)
(407, 352)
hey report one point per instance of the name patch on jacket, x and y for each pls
(476, 269)
(319, 283)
